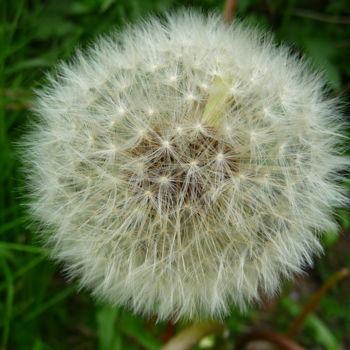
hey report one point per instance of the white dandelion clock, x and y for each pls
(183, 166)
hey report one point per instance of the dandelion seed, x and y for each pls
(121, 111)
(166, 144)
(179, 129)
(190, 97)
(164, 179)
(220, 156)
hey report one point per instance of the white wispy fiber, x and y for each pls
(183, 166)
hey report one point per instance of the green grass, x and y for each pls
(39, 309)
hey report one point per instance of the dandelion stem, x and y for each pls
(169, 331)
(321, 17)
(315, 299)
(230, 8)
(269, 336)
(190, 336)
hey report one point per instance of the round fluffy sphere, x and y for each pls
(183, 166)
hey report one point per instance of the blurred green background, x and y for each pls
(38, 308)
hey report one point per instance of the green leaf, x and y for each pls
(21, 247)
(39, 62)
(344, 216)
(322, 334)
(330, 238)
(12, 224)
(65, 293)
(106, 4)
(134, 326)
(7, 315)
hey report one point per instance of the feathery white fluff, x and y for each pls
(183, 166)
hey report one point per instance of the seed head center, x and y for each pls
(182, 168)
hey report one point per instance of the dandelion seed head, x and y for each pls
(183, 194)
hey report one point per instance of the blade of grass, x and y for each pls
(8, 304)
(24, 269)
(48, 304)
(22, 247)
(12, 224)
